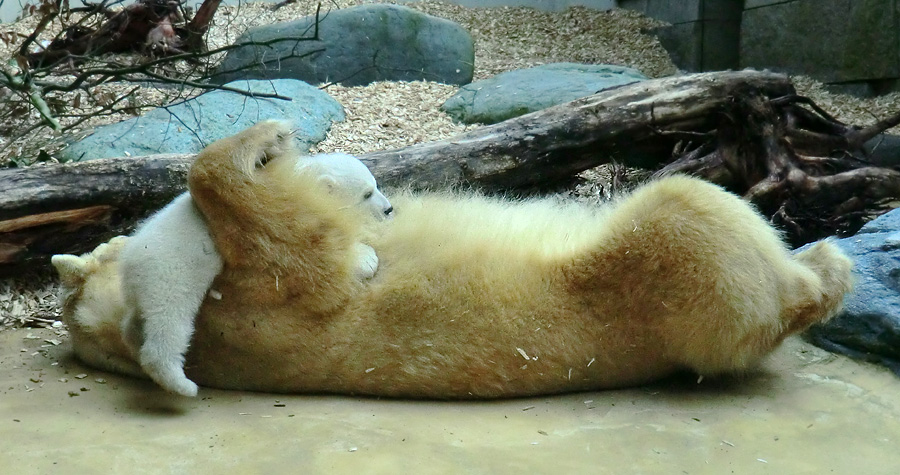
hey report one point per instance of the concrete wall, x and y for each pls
(848, 42)
(705, 34)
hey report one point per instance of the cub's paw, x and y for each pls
(366, 261)
(169, 374)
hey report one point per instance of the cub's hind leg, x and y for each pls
(167, 268)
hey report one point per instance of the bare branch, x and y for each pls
(71, 63)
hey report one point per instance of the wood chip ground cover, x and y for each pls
(382, 115)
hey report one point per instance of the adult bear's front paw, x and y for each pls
(271, 139)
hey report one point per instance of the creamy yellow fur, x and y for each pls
(94, 306)
(478, 297)
(679, 275)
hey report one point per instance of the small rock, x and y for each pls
(519, 92)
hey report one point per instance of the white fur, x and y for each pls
(367, 261)
(169, 264)
(167, 268)
(347, 175)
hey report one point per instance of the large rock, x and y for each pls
(883, 150)
(356, 46)
(191, 125)
(519, 92)
(869, 326)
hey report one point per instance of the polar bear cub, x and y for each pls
(169, 265)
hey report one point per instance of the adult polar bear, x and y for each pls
(169, 264)
(480, 298)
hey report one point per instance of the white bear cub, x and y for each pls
(170, 262)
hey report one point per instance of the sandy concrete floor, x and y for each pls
(805, 412)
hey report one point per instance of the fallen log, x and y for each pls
(536, 149)
(71, 207)
(687, 124)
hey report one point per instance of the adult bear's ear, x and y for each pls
(71, 269)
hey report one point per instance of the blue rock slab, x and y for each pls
(189, 126)
(869, 326)
(519, 92)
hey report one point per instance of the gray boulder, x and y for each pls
(356, 46)
(519, 92)
(869, 326)
(193, 124)
(883, 150)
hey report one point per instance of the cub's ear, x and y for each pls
(329, 182)
(71, 269)
(306, 165)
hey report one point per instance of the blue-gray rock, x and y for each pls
(883, 150)
(519, 92)
(193, 124)
(869, 326)
(356, 46)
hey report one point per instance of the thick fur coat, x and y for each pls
(168, 265)
(93, 307)
(479, 297)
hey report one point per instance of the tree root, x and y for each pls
(804, 169)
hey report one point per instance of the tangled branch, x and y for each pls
(802, 167)
(62, 82)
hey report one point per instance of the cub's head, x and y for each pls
(346, 175)
(94, 306)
